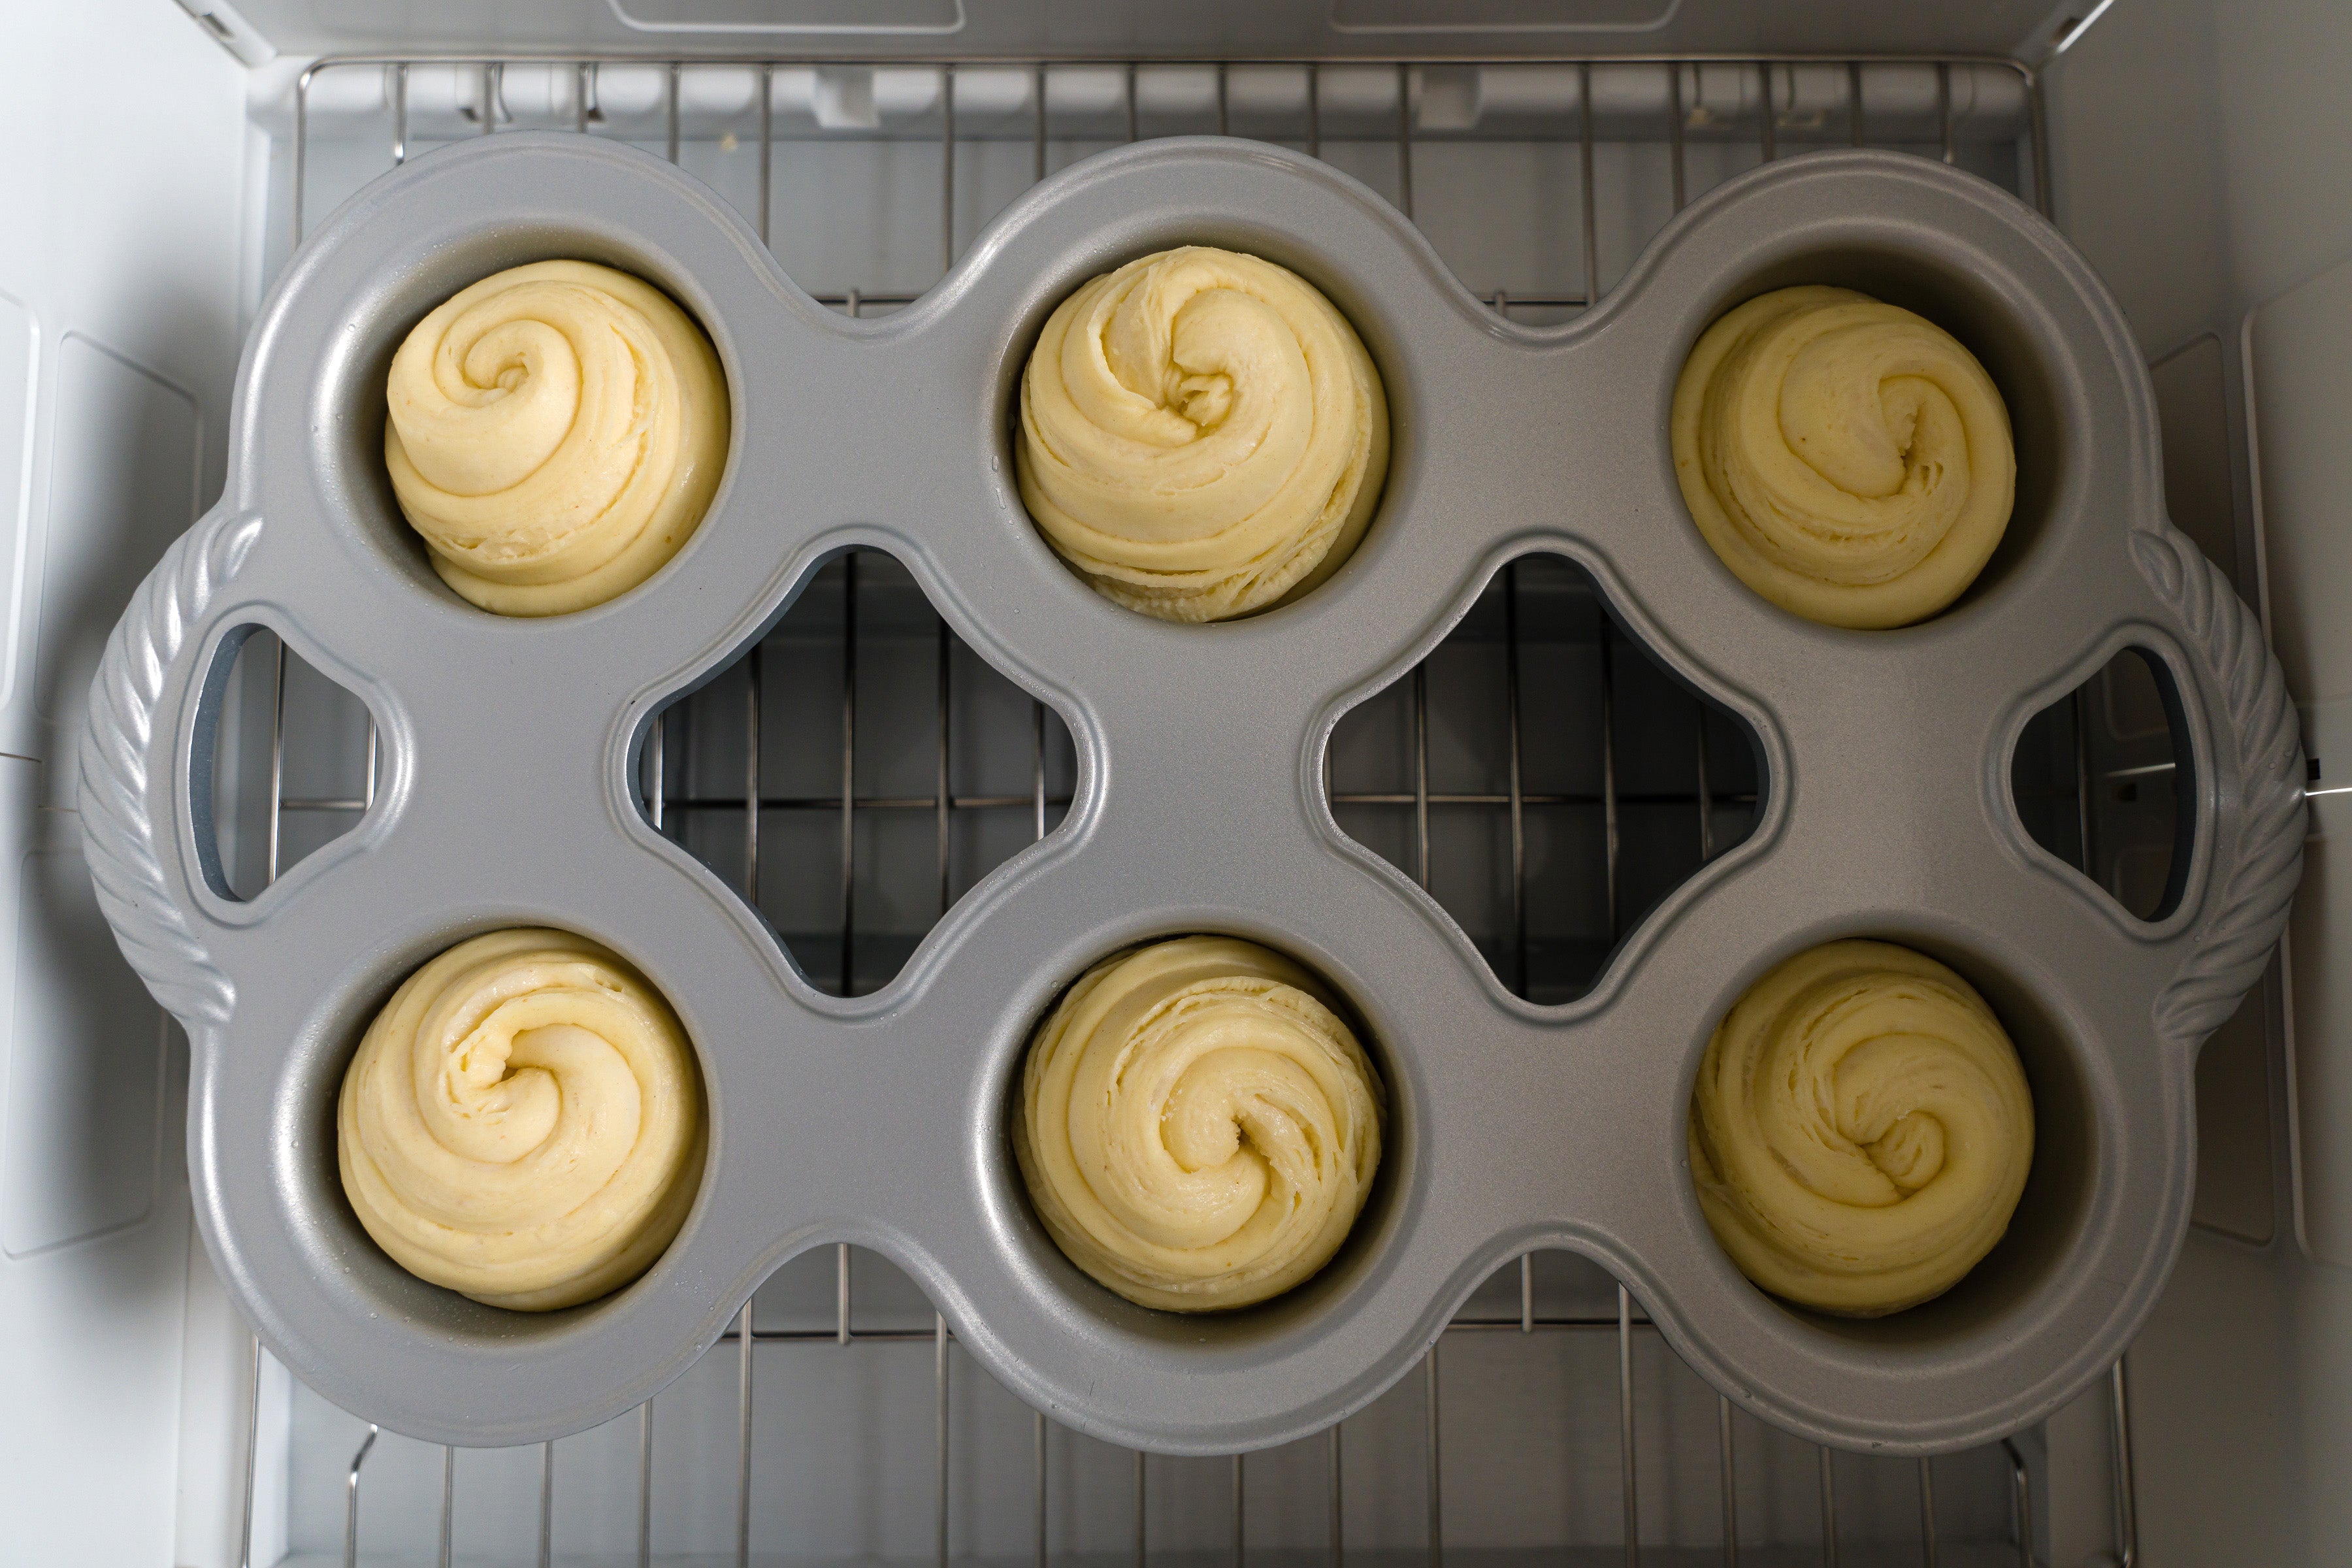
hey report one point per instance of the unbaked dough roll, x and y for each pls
(1861, 1130)
(556, 432)
(1201, 433)
(523, 1121)
(1198, 1127)
(1849, 460)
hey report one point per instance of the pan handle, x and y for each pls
(2256, 790)
(125, 780)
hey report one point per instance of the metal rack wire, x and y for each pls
(665, 807)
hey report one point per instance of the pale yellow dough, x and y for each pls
(1861, 1130)
(1201, 433)
(1848, 459)
(523, 1123)
(555, 433)
(1198, 1128)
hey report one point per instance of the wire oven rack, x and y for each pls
(708, 778)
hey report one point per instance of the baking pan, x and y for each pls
(510, 753)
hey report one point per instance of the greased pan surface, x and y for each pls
(511, 751)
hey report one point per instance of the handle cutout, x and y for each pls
(2104, 779)
(286, 761)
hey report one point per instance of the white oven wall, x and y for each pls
(2203, 164)
(119, 271)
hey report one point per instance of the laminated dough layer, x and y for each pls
(1861, 1130)
(1199, 1129)
(1849, 460)
(1203, 435)
(555, 433)
(523, 1121)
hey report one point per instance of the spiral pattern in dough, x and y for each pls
(523, 1121)
(555, 433)
(1201, 433)
(1861, 1130)
(1199, 1129)
(1848, 459)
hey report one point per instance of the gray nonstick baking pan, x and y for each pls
(511, 749)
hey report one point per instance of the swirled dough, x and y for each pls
(523, 1121)
(1861, 1130)
(555, 433)
(1849, 460)
(1198, 1127)
(1201, 433)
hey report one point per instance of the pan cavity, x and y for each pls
(1547, 777)
(894, 769)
